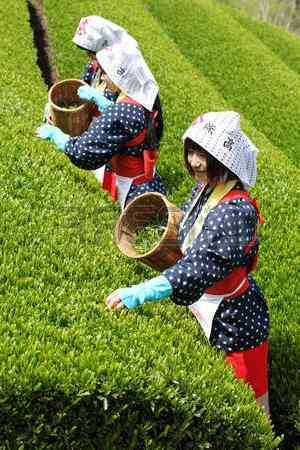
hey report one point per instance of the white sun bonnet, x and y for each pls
(95, 32)
(219, 133)
(126, 67)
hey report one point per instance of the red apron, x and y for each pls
(128, 170)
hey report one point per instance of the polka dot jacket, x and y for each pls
(88, 74)
(242, 322)
(106, 136)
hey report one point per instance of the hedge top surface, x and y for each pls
(275, 176)
(283, 43)
(181, 84)
(267, 93)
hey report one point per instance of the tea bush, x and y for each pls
(185, 93)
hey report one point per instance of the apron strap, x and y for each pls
(217, 194)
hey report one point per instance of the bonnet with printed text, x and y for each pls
(220, 134)
(126, 67)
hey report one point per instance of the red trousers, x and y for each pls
(252, 367)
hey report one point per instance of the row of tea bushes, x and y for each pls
(281, 42)
(245, 71)
(73, 375)
(186, 92)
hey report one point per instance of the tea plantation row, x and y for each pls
(186, 90)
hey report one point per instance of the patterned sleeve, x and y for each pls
(217, 250)
(110, 95)
(88, 73)
(106, 135)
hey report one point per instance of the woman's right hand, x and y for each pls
(94, 95)
(113, 301)
(47, 115)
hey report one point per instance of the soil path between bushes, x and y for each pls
(39, 26)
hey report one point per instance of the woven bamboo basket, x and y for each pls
(137, 215)
(73, 121)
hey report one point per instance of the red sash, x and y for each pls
(235, 278)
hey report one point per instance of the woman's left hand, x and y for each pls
(155, 289)
(113, 301)
(54, 134)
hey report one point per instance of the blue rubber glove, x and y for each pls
(53, 134)
(94, 95)
(153, 290)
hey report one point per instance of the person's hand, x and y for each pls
(54, 134)
(87, 93)
(47, 115)
(152, 290)
(94, 95)
(113, 301)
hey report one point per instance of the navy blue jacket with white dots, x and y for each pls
(88, 73)
(242, 322)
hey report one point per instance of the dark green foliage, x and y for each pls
(129, 419)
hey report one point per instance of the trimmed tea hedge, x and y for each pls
(181, 87)
(74, 375)
(247, 74)
(284, 44)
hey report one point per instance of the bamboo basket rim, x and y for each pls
(121, 218)
(59, 108)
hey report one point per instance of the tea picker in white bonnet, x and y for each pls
(220, 134)
(125, 73)
(219, 244)
(93, 34)
(126, 135)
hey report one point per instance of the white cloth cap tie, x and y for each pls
(219, 133)
(95, 32)
(126, 67)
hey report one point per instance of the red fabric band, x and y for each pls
(233, 280)
(127, 166)
(229, 283)
(109, 184)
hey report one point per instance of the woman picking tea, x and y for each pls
(128, 132)
(218, 235)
